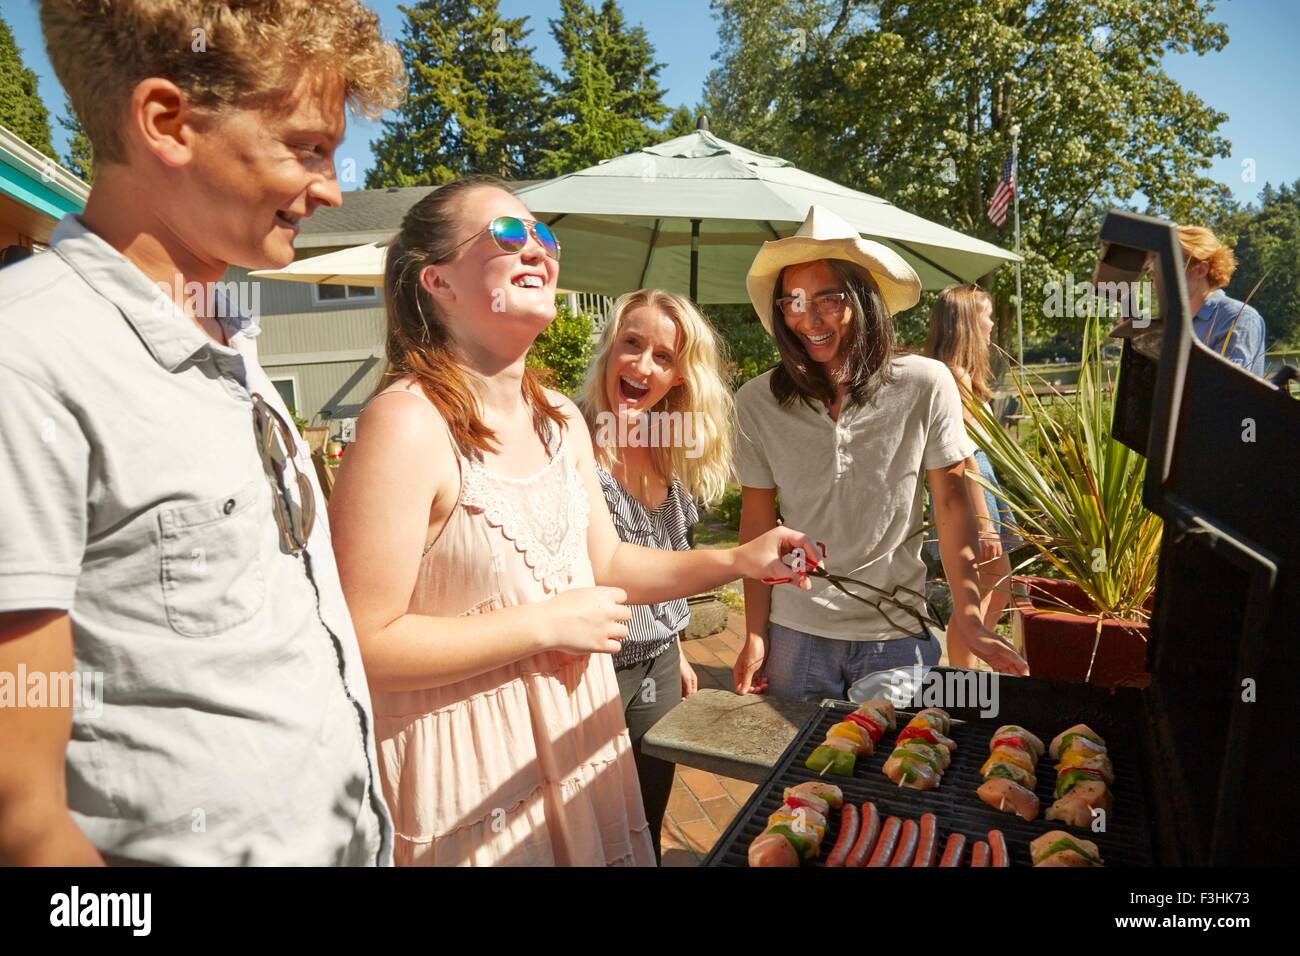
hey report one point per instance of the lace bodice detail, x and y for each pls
(544, 515)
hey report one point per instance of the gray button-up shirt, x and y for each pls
(235, 723)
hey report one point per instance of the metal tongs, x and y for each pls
(817, 569)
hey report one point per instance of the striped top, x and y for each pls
(653, 627)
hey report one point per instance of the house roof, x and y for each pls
(35, 191)
(367, 215)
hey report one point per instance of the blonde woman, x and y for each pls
(484, 575)
(961, 328)
(660, 416)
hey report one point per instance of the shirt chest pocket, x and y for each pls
(212, 577)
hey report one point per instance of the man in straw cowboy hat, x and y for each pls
(844, 430)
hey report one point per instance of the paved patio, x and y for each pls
(703, 804)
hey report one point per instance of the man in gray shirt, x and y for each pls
(180, 682)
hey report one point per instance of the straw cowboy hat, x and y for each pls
(824, 235)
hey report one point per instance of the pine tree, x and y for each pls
(21, 109)
(1266, 240)
(680, 123)
(80, 157)
(630, 60)
(609, 101)
(475, 101)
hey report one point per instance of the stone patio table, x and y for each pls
(727, 734)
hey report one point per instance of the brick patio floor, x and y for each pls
(703, 804)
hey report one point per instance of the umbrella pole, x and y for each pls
(695, 260)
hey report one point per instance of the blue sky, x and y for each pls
(1252, 79)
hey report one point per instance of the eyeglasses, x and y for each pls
(511, 235)
(838, 581)
(276, 444)
(826, 304)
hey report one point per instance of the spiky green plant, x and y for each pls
(1077, 498)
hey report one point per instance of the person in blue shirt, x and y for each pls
(1228, 327)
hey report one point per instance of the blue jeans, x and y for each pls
(803, 666)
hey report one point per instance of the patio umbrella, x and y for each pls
(357, 266)
(689, 214)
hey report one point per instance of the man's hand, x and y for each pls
(748, 672)
(988, 646)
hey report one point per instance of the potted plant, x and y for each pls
(1076, 496)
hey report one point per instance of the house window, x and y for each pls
(342, 293)
(288, 389)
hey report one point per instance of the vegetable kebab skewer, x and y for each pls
(795, 831)
(922, 751)
(1083, 777)
(1008, 773)
(853, 737)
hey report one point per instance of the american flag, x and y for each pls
(1003, 195)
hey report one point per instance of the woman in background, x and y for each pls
(660, 415)
(961, 327)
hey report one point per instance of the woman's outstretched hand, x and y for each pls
(761, 558)
(748, 670)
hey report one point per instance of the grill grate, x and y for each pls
(1126, 842)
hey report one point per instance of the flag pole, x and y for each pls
(1015, 199)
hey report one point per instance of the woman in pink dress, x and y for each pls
(487, 583)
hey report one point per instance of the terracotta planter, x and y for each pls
(1058, 644)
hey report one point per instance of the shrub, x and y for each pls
(564, 350)
(751, 350)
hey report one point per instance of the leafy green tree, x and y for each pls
(914, 102)
(1266, 240)
(21, 109)
(475, 99)
(751, 97)
(609, 101)
(80, 157)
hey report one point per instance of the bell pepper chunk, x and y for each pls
(830, 760)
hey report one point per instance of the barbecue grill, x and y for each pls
(1201, 754)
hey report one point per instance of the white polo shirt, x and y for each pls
(857, 485)
(235, 725)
